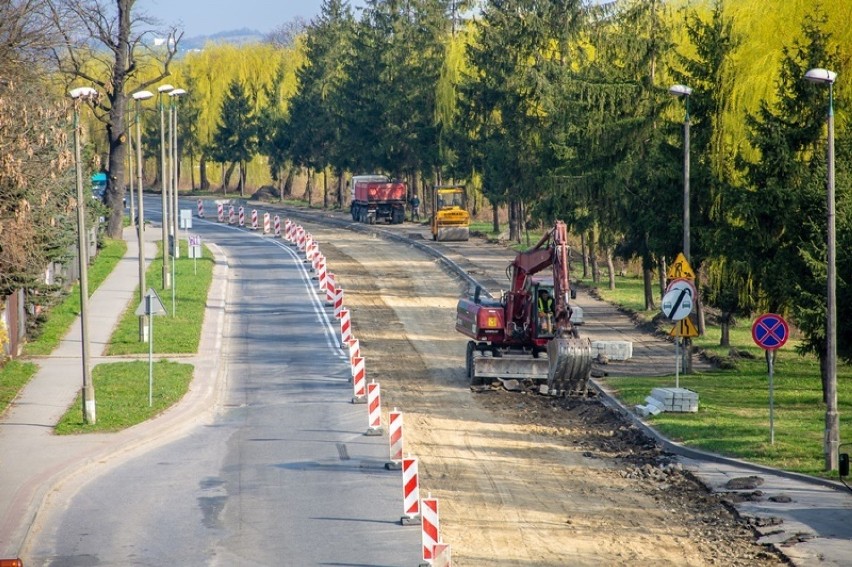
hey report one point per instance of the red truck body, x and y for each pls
(375, 197)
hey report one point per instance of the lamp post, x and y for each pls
(140, 219)
(174, 95)
(684, 91)
(89, 413)
(832, 425)
(161, 90)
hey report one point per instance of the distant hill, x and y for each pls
(237, 37)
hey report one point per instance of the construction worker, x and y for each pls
(545, 311)
(415, 208)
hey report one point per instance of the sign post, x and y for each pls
(677, 305)
(151, 305)
(770, 332)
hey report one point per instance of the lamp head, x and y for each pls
(823, 76)
(680, 90)
(84, 93)
(177, 92)
(142, 95)
(165, 89)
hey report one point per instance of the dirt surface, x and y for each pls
(523, 480)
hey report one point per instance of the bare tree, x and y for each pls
(105, 44)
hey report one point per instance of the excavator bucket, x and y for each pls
(453, 234)
(570, 365)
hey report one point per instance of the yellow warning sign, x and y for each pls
(684, 328)
(680, 268)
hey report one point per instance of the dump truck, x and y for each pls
(450, 219)
(375, 197)
(508, 336)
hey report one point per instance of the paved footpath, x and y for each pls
(35, 463)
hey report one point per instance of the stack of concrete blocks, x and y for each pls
(612, 350)
(669, 399)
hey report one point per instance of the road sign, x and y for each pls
(677, 304)
(680, 268)
(151, 304)
(684, 328)
(770, 331)
(681, 284)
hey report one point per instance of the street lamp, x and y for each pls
(684, 91)
(174, 95)
(832, 424)
(140, 220)
(164, 89)
(79, 95)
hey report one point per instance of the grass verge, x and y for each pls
(733, 416)
(177, 333)
(121, 395)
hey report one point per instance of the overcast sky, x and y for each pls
(206, 17)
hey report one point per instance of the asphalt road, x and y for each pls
(282, 475)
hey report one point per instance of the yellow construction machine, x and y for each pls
(450, 219)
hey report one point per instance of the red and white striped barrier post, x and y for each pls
(354, 348)
(338, 300)
(220, 212)
(322, 276)
(315, 263)
(330, 288)
(267, 223)
(277, 224)
(254, 224)
(232, 219)
(200, 209)
(303, 238)
(292, 235)
(288, 225)
(410, 492)
(374, 409)
(359, 381)
(442, 556)
(345, 327)
(430, 527)
(395, 440)
(242, 216)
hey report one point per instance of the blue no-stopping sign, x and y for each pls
(770, 331)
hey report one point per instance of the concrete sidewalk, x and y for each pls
(34, 463)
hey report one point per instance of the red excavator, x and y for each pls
(533, 317)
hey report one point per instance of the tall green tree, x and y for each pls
(235, 138)
(783, 209)
(710, 74)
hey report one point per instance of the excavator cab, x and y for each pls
(545, 310)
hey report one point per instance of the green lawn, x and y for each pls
(733, 416)
(121, 395)
(179, 333)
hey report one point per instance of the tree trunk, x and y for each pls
(610, 266)
(341, 185)
(309, 187)
(725, 324)
(226, 175)
(593, 259)
(325, 188)
(514, 221)
(495, 219)
(699, 304)
(114, 195)
(288, 183)
(648, 280)
(202, 173)
(662, 274)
